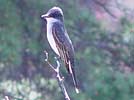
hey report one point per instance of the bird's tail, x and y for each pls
(72, 72)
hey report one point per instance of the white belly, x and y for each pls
(51, 39)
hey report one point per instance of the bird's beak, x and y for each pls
(45, 16)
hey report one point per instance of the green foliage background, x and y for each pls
(104, 60)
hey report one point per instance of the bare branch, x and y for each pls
(105, 8)
(59, 78)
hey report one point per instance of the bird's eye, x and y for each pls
(55, 14)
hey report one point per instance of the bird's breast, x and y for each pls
(51, 39)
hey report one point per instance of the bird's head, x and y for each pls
(55, 13)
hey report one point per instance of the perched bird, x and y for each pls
(59, 40)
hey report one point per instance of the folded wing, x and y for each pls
(65, 48)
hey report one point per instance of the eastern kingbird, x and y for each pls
(59, 40)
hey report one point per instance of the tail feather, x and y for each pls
(72, 72)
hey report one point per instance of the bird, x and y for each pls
(59, 40)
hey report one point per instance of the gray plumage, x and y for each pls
(60, 41)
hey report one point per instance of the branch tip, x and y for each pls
(6, 98)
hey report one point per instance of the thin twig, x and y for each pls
(59, 78)
(105, 8)
(6, 98)
(48, 61)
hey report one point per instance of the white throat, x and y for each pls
(51, 20)
(50, 37)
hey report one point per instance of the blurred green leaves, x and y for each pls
(27, 90)
(104, 60)
(9, 48)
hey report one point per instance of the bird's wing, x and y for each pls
(65, 48)
(64, 45)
